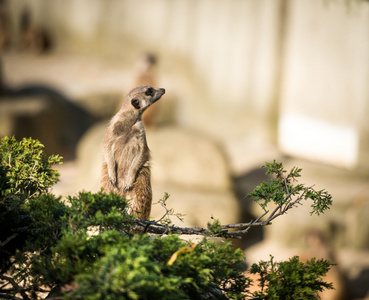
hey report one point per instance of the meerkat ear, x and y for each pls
(135, 103)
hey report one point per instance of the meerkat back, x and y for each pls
(126, 156)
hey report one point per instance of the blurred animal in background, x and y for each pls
(4, 26)
(145, 74)
(125, 169)
(33, 37)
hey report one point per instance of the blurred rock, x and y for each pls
(89, 158)
(187, 159)
(356, 269)
(29, 117)
(43, 114)
(198, 206)
(101, 105)
(357, 222)
(239, 149)
(67, 181)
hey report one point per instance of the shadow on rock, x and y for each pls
(358, 287)
(43, 113)
(244, 184)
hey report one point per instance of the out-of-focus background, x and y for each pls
(247, 82)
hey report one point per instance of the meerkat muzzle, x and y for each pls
(159, 92)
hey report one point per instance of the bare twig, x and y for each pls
(2, 244)
(6, 296)
(157, 228)
(16, 287)
(168, 212)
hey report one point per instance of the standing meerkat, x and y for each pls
(125, 169)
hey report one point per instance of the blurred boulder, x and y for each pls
(101, 105)
(198, 206)
(89, 157)
(43, 113)
(187, 159)
(29, 117)
(357, 222)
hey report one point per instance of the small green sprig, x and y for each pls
(215, 228)
(284, 191)
(25, 170)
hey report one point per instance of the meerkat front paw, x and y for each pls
(128, 185)
(127, 188)
(113, 181)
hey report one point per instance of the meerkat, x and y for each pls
(126, 156)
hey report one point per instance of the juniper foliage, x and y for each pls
(87, 246)
(292, 279)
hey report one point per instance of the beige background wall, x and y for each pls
(273, 69)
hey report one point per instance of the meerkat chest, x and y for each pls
(136, 135)
(130, 140)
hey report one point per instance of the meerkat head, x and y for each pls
(140, 98)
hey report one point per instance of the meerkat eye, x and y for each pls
(149, 91)
(135, 103)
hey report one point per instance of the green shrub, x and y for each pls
(291, 280)
(25, 174)
(88, 247)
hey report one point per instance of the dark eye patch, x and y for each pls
(149, 92)
(135, 103)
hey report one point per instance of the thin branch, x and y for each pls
(285, 183)
(250, 224)
(279, 207)
(2, 244)
(146, 228)
(156, 227)
(6, 296)
(167, 211)
(16, 286)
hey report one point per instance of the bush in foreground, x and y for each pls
(88, 247)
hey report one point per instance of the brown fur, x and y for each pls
(125, 169)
